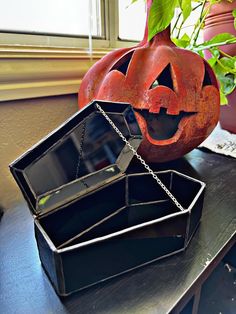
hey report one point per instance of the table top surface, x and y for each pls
(156, 288)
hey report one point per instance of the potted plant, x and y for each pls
(221, 19)
(215, 47)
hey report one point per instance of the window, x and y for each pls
(67, 23)
(131, 20)
(45, 47)
(65, 17)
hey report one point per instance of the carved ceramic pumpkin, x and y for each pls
(173, 92)
(93, 79)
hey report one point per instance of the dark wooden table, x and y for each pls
(162, 287)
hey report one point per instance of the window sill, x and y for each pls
(30, 72)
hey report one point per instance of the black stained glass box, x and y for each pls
(92, 221)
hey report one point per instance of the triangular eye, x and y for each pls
(207, 78)
(164, 79)
(123, 63)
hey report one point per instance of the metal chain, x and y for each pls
(80, 150)
(142, 161)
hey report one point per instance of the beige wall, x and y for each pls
(22, 124)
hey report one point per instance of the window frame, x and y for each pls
(33, 65)
(109, 39)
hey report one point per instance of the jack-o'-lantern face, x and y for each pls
(174, 95)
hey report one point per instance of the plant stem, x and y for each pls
(197, 6)
(225, 54)
(199, 48)
(176, 22)
(201, 19)
(180, 27)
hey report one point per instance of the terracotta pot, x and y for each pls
(221, 20)
(228, 114)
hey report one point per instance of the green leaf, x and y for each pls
(186, 8)
(183, 42)
(225, 71)
(223, 99)
(227, 84)
(201, 54)
(180, 43)
(218, 40)
(234, 15)
(215, 52)
(212, 61)
(160, 16)
(214, 1)
(222, 37)
(185, 37)
(132, 2)
(229, 64)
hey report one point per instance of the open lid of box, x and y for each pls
(81, 155)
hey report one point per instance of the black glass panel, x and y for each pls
(143, 188)
(93, 263)
(72, 219)
(185, 189)
(74, 189)
(88, 153)
(84, 153)
(128, 217)
(131, 122)
(90, 147)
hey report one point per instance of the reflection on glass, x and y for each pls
(93, 145)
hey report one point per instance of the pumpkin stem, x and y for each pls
(162, 38)
(145, 36)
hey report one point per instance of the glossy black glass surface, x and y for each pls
(91, 146)
(82, 154)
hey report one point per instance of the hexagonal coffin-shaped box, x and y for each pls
(92, 221)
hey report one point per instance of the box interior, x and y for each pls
(74, 218)
(185, 189)
(128, 217)
(127, 202)
(146, 202)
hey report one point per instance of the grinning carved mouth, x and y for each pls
(162, 126)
